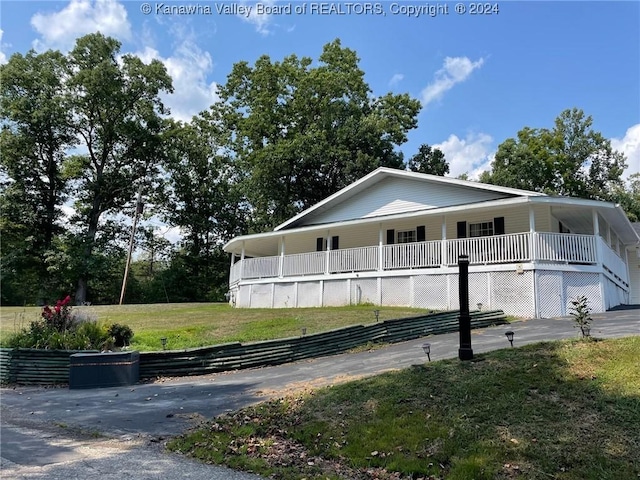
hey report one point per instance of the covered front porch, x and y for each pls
(531, 247)
(528, 256)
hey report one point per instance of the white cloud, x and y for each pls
(454, 70)
(471, 155)
(59, 30)
(188, 67)
(630, 146)
(396, 79)
(3, 57)
(262, 21)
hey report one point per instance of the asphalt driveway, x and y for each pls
(60, 433)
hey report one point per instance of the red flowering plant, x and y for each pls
(60, 318)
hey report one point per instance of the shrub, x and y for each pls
(581, 313)
(60, 328)
(121, 334)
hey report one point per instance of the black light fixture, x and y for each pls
(509, 335)
(164, 343)
(427, 350)
(377, 314)
(304, 331)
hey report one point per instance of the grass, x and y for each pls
(189, 325)
(563, 410)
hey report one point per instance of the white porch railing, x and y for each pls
(412, 255)
(235, 273)
(612, 262)
(510, 248)
(484, 250)
(262, 267)
(312, 263)
(565, 247)
(360, 259)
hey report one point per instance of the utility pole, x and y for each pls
(133, 234)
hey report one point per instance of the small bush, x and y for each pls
(581, 313)
(121, 334)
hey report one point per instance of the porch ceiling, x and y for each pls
(580, 219)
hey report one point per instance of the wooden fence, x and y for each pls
(38, 367)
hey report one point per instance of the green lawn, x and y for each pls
(187, 325)
(564, 410)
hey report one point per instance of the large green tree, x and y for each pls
(203, 199)
(301, 131)
(117, 115)
(569, 159)
(429, 160)
(35, 135)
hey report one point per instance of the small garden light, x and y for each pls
(377, 314)
(479, 305)
(304, 331)
(164, 343)
(427, 350)
(509, 335)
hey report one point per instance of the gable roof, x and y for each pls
(482, 190)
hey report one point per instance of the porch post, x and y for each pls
(596, 234)
(532, 232)
(380, 249)
(326, 267)
(242, 261)
(443, 243)
(281, 266)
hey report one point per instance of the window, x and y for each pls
(407, 236)
(482, 229)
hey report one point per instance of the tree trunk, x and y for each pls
(83, 279)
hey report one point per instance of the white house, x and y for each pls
(394, 238)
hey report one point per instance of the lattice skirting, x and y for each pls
(556, 290)
(515, 293)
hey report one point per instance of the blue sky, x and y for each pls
(480, 78)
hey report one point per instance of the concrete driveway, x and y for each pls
(60, 433)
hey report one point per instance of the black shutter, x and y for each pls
(334, 243)
(462, 229)
(421, 233)
(319, 244)
(498, 226)
(391, 236)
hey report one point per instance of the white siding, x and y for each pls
(516, 220)
(394, 195)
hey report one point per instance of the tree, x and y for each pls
(302, 132)
(628, 196)
(429, 160)
(570, 159)
(117, 115)
(35, 136)
(203, 199)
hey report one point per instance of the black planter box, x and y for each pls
(97, 370)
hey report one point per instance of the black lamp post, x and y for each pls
(465, 352)
(377, 314)
(509, 335)
(427, 350)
